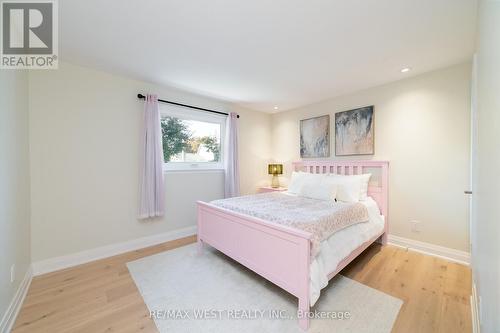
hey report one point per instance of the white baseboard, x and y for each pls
(474, 306)
(10, 315)
(58, 263)
(457, 256)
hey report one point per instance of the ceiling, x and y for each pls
(262, 53)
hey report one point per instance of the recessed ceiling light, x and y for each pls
(276, 108)
(406, 69)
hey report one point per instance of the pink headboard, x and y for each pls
(378, 191)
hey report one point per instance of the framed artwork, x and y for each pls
(315, 137)
(354, 133)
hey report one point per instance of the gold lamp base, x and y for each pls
(275, 183)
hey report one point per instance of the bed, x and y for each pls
(282, 254)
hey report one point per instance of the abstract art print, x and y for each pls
(315, 137)
(354, 132)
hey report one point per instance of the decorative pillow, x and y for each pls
(352, 188)
(348, 189)
(319, 187)
(296, 182)
(365, 180)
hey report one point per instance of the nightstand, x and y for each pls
(265, 189)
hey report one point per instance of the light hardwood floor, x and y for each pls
(101, 296)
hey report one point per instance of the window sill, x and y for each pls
(200, 170)
(193, 167)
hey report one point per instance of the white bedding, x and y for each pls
(339, 245)
(320, 218)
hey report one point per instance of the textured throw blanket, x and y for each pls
(319, 217)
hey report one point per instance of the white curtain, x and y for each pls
(231, 167)
(152, 196)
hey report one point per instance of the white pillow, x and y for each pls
(365, 180)
(300, 178)
(316, 186)
(348, 189)
(319, 187)
(352, 188)
(296, 182)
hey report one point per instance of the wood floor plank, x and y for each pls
(101, 296)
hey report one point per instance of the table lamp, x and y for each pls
(275, 170)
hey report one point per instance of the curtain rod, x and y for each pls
(141, 96)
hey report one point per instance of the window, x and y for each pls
(191, 139)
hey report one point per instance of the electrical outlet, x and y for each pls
(12, 273)
(415, 226)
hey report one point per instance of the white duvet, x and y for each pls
(339, 245)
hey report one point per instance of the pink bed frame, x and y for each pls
(278, 253)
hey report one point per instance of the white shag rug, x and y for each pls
(209, 292)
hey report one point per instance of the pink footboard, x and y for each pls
(278, 253)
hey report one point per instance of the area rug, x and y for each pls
(209, 292)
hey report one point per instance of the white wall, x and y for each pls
(85, 127)
(14, 183)
(255, 149)
(486, 226)
(422, 128)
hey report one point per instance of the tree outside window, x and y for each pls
(190, 141)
